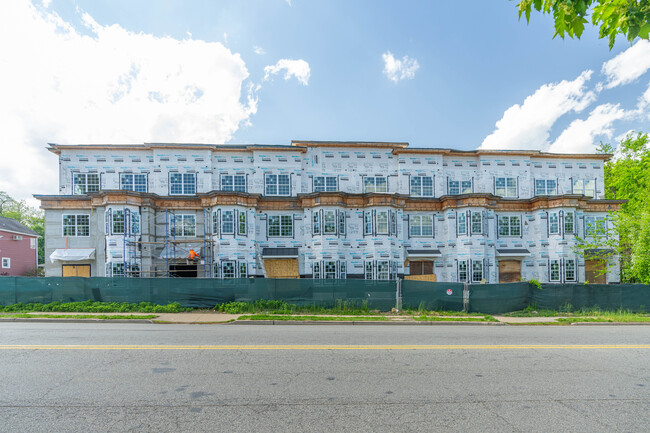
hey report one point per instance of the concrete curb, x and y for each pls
(610, 323)
(357, 323)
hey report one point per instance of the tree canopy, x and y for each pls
(630, 18)
(27, 215)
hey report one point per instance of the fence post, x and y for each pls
(398, 295)
(465, 298)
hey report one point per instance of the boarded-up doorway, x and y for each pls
(509, 271)
(75, 270)
(421, 270)
(595, 271)
(281, 268)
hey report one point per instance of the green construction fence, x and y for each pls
(377, 295)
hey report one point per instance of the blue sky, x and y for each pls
(471, 75)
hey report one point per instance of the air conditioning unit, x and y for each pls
(18, 238)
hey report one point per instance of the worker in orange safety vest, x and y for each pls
(193, 255)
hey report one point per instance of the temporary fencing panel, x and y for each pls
(432, 296)
(375, 294)
(498, 298)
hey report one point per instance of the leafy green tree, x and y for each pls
(627, 177)
(27, 215)
(627, 17)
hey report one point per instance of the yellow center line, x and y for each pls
(325, 347)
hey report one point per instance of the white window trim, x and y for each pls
(6, 263)
(509, 226)
(480, 262)
(183, 184)
(546, 188)
(76, 225)
(233, 182)
(276, 185)
(325, 188)
(420, 193)
(85, 184)
(374, 184)
(280, 235)
(505, 186)
(133, 175)
(421, 225)
(182, 217)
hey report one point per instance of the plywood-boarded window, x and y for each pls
(75, 270)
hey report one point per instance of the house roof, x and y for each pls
(11, 225)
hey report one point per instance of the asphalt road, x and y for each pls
(455, 378)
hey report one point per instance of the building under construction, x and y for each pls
(325, 210)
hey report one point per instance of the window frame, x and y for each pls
(227, 217)
(574, 270)
(84, 187)
(374, 183)
(273, 189)
(115, 266)
(6, 260)
(329, 227)
(552, 263)
(553, 216)
(183, 218)
(381, 223)
(474, 271)
(463, 216)
(509, 226)
(417, 221)
(479, 222)
(545, 188)
(462, 270)
(75, 226)
(573, 222)
(418, 189)
(187, 183)
(326, 187)
(133, 185)
(281, 224)
(582, 188)
(506, 188)
(233, 186)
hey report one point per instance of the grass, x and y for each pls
(77, 316)
(312, 318)
(95, 307)
(426, 318)
(281, 307)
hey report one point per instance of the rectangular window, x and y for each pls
(509, 226)
(330, 270)
(227, 222)
(325, 184)
(570, 270)
(545, 187)
(315, 270)
(32, 243)
(118, 222)
(460, 187)
(233, 182)
(85, 183)
(454, 187)
(462, 272)
(76, 225)
(118, 269)
(182, 183)
(241, 227)
(477, 223)
(554, 274)
(215, 223)
(421, 225)
(367, 223)
(329, 222)
(316, 222)
(280, 225)
(586, 187)
(343, 274)
(553, 223)
(243, 270)
(6, 263)
(277, 184)
(382, 222)
(505, 186)
(368, 270)
(383, 270)
(375, 184)
(569, 222)
(462, 223)
(341, 222)
(135, 223)
(183, 225)
(228, 269)
(595, 226)
(422, 186)
(477, 271)
(133, 182)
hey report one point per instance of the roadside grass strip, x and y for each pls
(425, 318)
(94, 307)
(287, 317)
(332, 347)
(78, 316)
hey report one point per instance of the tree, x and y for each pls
(627, 17)
(627, 177)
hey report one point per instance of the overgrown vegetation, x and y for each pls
(77, 316)
(282, 307)
(27, 215)
(567, 310)
(435, 318)
(96, 307)
(535, 284)
(287, 317)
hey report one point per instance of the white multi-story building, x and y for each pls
(324, 210)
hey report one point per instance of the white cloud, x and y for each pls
(527, 126)
(112, 86)
(580, 136)
(628, 65)
(288, 2)
(396, 69)
(258, 50)
(293, 68)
